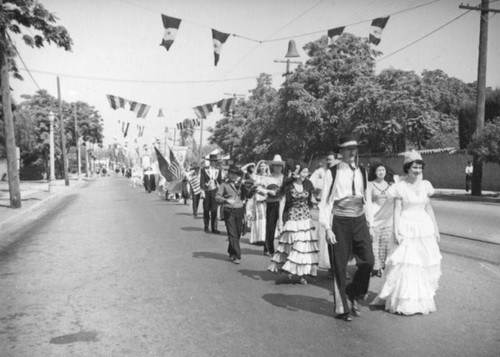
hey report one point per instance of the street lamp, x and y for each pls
(51, 139)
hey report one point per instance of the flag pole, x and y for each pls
(201, 137)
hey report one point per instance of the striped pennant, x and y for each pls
(140, 109)
(226, 105)
(202, 111)
(116, 102)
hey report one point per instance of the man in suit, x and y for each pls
(210, 179)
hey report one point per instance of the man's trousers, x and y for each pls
(210, 209)
(272, 215)
(353, 237)
(233, 218)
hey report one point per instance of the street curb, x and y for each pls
(4, 224)
(468, 198)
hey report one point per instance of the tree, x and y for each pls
(32, 118)
(14, 15)
(486, 143)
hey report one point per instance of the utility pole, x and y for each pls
(10, 140)
(63, 136)
(477, 174)
(77, 140)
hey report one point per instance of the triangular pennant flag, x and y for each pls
(160, 113)
(166, 130)
(334, 34)
(171, 25)
(219, 38)
(226, 105)
(378, 25)
(202, 111)
(126, 130)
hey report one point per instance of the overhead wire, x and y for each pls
(423, 37)
(22, 61)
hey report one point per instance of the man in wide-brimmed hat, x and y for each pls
(232, 194)
(274, 182)
(342, 216)
(210, 179)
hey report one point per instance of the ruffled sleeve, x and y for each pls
(428, 188)
(394, 191)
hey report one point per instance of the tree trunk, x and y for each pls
(10, 141)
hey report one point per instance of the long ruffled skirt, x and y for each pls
(411, 277)
(297, 251)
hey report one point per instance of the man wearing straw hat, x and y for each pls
(210, 179)
(274, 182)
(341, 213)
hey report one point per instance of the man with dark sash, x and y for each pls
(347, 232)
(210, 179)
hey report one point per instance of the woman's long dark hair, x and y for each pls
(389, 174)
(286, 188)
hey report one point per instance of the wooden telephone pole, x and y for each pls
(477, 174)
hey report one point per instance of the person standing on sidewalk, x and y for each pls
(210, 179)
(468, 176)
(232, 193)
(274, 181)
(341, 213)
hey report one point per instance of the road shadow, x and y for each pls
(261, 275)
(183, 214)
(246, 251)
(301, 303)
(193, 229)
(211, 255)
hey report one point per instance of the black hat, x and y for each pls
(235, 170)
(214, 157)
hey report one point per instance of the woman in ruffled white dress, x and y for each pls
(297, 251)
(413, 267)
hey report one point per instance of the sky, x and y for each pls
(116, 50)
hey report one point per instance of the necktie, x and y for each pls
(353, 179)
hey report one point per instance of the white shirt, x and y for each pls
(341, 190)
(469, 169)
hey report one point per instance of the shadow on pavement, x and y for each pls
(262, 275)
(211, 255)
(192, 229)
(246, 251)
(301, 303)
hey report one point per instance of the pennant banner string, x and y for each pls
(423, 37)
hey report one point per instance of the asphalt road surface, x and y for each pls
(114, 271)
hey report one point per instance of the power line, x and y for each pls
(124, 80)
(24, 64)
(423, 37)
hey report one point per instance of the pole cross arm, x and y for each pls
(478, 8)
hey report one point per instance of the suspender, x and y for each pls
(333, 170)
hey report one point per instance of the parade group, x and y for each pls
(383, 222)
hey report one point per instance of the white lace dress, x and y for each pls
(413, 267)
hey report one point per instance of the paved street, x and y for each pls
(111, 271)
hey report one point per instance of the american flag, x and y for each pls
(174, 168)
(226, 105)
(202, 111)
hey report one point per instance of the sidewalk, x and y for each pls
(34, 195)
(461, 195)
